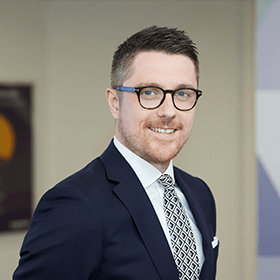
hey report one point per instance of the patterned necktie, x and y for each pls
(182, 236)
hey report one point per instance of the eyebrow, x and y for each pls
(186, 86)
(157, 85)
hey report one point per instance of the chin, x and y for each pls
(162, 154)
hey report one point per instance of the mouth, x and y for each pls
(162, 130)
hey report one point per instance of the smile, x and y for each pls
(162, 130)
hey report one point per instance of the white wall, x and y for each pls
(23, 60)
(68, 47)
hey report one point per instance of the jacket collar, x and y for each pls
(130, 191)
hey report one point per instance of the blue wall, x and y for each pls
(268, 138)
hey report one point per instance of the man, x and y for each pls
(130, 214)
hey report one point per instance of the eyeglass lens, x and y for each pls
(183, 99)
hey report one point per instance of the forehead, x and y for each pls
(166, 70)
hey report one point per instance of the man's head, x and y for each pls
(162, 39)
(157, 134)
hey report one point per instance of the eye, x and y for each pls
(182, 94)
(148, 93)
(151, 93)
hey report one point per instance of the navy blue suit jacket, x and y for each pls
(100, 224)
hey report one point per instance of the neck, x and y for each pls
(161, 166)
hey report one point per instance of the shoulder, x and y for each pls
(61, 230)
(72, 193)
(69, 206)
(93, 170)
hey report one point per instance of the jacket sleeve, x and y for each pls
(64, 229)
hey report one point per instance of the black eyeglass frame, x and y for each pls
(172, 92)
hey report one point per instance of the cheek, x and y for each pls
(130, 120)
(136, 118)
(188, 124)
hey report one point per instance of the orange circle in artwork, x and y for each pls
(7, 139)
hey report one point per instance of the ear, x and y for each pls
(113, 102)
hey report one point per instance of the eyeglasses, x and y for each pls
(151, 97)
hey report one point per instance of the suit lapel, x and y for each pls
(133, 196)
(200, 221)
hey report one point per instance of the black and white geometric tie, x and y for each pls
(182, 237)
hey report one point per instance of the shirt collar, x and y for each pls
(146, 172)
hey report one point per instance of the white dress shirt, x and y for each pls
(148, 175)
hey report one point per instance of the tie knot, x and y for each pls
(166, 180)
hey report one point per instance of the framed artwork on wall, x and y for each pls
(15, 156)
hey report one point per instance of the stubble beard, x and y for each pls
(155, 151)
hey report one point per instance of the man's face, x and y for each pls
(155, 135)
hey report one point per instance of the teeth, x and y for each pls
(161, 130)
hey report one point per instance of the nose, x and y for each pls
(167, 109)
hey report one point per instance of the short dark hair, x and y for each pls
(154, 38)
